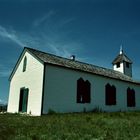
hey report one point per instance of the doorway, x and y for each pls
(23, 101)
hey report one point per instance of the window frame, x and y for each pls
(24, 64)
(83, 91)
(110, 95)
(131, 97)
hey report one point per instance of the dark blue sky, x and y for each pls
(93, 30)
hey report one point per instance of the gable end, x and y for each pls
(19, 61)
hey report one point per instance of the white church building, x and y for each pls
(41, 82)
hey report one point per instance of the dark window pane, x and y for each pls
(80, 90)
(87, 92)
(127, 64)
(110, 95)
(118, 65)
(24, 64)
(83, 91)
(131, 98)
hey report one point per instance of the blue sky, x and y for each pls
(93, 30)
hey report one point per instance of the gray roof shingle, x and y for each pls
(76, 65)
(121, 58)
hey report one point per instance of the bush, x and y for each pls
(51, 112)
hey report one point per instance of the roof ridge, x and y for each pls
(78, 65)
(49, 53)
(71, 60)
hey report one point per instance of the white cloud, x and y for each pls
(66, 21)
(66, 49)
(44, 18)
(4, 71)
(11, 34)
(59, 50)
(47, 19)
(53, 39)
(49, 41)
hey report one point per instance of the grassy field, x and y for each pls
(82, 126)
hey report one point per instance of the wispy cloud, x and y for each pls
(66, 21)
(66, 49)
(4, 71)
(43, 19)
(60, 50)
(54, 40)
(11, 34)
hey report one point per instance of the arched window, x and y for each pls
(80, 90)
(83, 91)
(110, 95)
(87, 91)
(24, 64)
(131, 97)
(107, 94)
(113, 95)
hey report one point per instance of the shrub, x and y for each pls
(51, 112)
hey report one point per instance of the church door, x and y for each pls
(23, 100)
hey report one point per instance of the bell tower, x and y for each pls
(122, 63)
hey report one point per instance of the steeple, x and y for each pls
(121, 49)
(122, 63)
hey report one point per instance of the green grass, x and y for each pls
(80, 126)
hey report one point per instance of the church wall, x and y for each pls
(128, 71)
(32, 79)
(61, 91)
(120, 69)
(123, 69)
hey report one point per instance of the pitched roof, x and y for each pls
(76, 65)
(121, 58)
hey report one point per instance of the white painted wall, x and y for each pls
(32, 78)
(61, 90)
(123, 69)
(120, 69)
